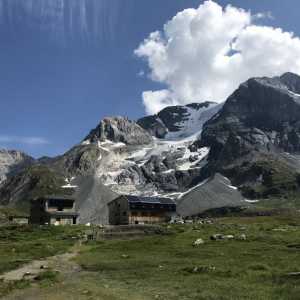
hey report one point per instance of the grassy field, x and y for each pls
(169, 266)
(22, 244)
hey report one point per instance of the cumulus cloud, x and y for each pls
(30, 140)
(205, 53)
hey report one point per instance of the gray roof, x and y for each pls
(151, 200)
(58, 197)
(63, 213)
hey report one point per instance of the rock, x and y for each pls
(44, 267)
(86, 292)
(293, 274)
(154, 126)
(200, 269)
(242, 237)
(12, 161)
(170, 159)
(193, 158)
(198, 242)
(119, 129)
(228, 237)
(217, 236)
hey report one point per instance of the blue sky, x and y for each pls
(60, 76)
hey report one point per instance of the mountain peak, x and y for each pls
(119, 129)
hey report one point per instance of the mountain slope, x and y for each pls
(215, 192)
(11, 161)
(256, 135)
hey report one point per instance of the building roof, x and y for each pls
(57, 197)
(149, 200)
(63, 213)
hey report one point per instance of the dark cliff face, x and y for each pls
(260, 120)
(263, 114)
(119, 129)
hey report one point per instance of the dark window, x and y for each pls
(60, 203)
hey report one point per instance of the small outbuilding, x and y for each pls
(53, 210)
(19, 219)
(127, 209)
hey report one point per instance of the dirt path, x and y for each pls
(74, 283)
(62, 263)
(58, 262)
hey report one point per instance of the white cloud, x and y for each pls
(263, 15)
(205, 53)
(31, 140)
(157, 100)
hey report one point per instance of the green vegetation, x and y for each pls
(45, 181)
(277, 179)
(31, 183)
(169, 267)
(21, 244)
(165, 267)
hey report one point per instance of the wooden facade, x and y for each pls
(140, 210)
(53, 210)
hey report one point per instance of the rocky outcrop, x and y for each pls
(119, 129)
(154, 125)
(79, 160)
(11, 161)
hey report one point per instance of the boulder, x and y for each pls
(198, 242)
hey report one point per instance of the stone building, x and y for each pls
(128, 209)
(53, 210)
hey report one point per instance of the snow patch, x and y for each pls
(294, 94)
(69, 186)
(193, 188)
(251, 201)
(232, 187)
